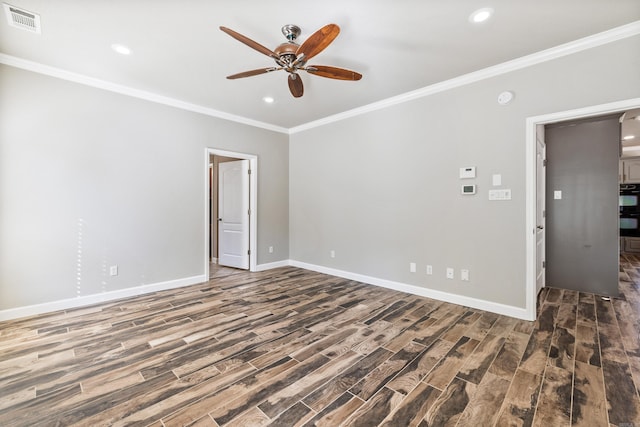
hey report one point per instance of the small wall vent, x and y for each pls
(22, 19)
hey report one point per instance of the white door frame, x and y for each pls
(253, 205)
(531, 188)
(540, 210)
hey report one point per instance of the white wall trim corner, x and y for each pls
(271, 265)
(608, 36)
(493, 307)
(530, 177)
(85, 300)
(59, 73)
(585, 43)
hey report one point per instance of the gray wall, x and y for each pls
(382, 189)
(90, 179)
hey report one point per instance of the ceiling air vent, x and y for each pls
(22, 19)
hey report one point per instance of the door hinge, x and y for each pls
(544, 163)
(249, 212)
(249, 171)
(544, 264)
(249, 252)
(544, 214)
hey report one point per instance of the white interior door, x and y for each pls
(233, 214)
(541, 150)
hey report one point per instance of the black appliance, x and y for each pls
(629, 204)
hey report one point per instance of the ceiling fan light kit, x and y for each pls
(292, 57)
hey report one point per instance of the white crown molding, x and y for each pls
(85, 300)
(569, 48)
(129, 91)
(585, 43)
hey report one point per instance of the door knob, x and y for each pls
(539, 227)
(220, 219)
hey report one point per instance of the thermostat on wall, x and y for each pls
(468, 172)
(468, 189)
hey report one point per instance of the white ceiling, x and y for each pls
(399, 46)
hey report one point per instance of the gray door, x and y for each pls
(582, 205)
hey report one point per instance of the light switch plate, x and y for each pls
(496, 179)
(557, 194)
(503, 194)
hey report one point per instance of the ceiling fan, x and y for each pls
(292, 57)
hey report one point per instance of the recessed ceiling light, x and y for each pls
(121, 49)
(481, 15)
(268, 99)
(628, 137)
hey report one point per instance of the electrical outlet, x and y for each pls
(450, 273)
(429, 270)
(333, 254)
(412, 267)
(270, 249)
(464, 275)
(113, 270)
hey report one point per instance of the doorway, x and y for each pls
(533, 124)
(214, 158)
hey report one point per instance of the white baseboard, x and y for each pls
(493, 307)
(270, 265)
(32, 310)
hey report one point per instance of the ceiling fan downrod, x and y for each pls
(291, 32)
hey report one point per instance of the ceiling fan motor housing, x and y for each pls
(287, 54)
(287, 51)
(287, 48)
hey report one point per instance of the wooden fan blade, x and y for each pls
(333, 72)
(252, 73)
(252, 44)
(318, 41)
(295, 85)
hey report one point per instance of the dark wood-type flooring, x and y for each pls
(290, 347)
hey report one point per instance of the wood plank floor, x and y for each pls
(290, 347)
